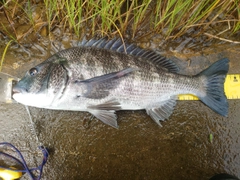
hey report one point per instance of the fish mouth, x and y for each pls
(17, 90)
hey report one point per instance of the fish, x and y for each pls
(104, 76)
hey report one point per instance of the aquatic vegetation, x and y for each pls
(172, 18)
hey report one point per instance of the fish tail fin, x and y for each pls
(213, 83)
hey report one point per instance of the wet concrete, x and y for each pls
(81, 148)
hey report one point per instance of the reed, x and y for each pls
(4, 54)
(112, 17)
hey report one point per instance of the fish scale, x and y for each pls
(104, 76)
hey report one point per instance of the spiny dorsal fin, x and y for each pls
(118, 45)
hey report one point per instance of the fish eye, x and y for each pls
(33, 71)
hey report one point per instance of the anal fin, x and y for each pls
(163, 111)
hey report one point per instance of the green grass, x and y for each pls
(4, 54)
(180, 15)
(117, 17)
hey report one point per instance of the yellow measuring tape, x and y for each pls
(231, 88)
(7, 174)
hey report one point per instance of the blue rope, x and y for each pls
(23, 163)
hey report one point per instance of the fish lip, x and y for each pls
(17, 90)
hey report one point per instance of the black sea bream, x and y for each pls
(102, 77)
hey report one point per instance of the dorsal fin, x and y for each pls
(118, 45)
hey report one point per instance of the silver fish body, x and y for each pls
(102, 77)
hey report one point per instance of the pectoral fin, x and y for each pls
(98, 87)
(163, 111)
